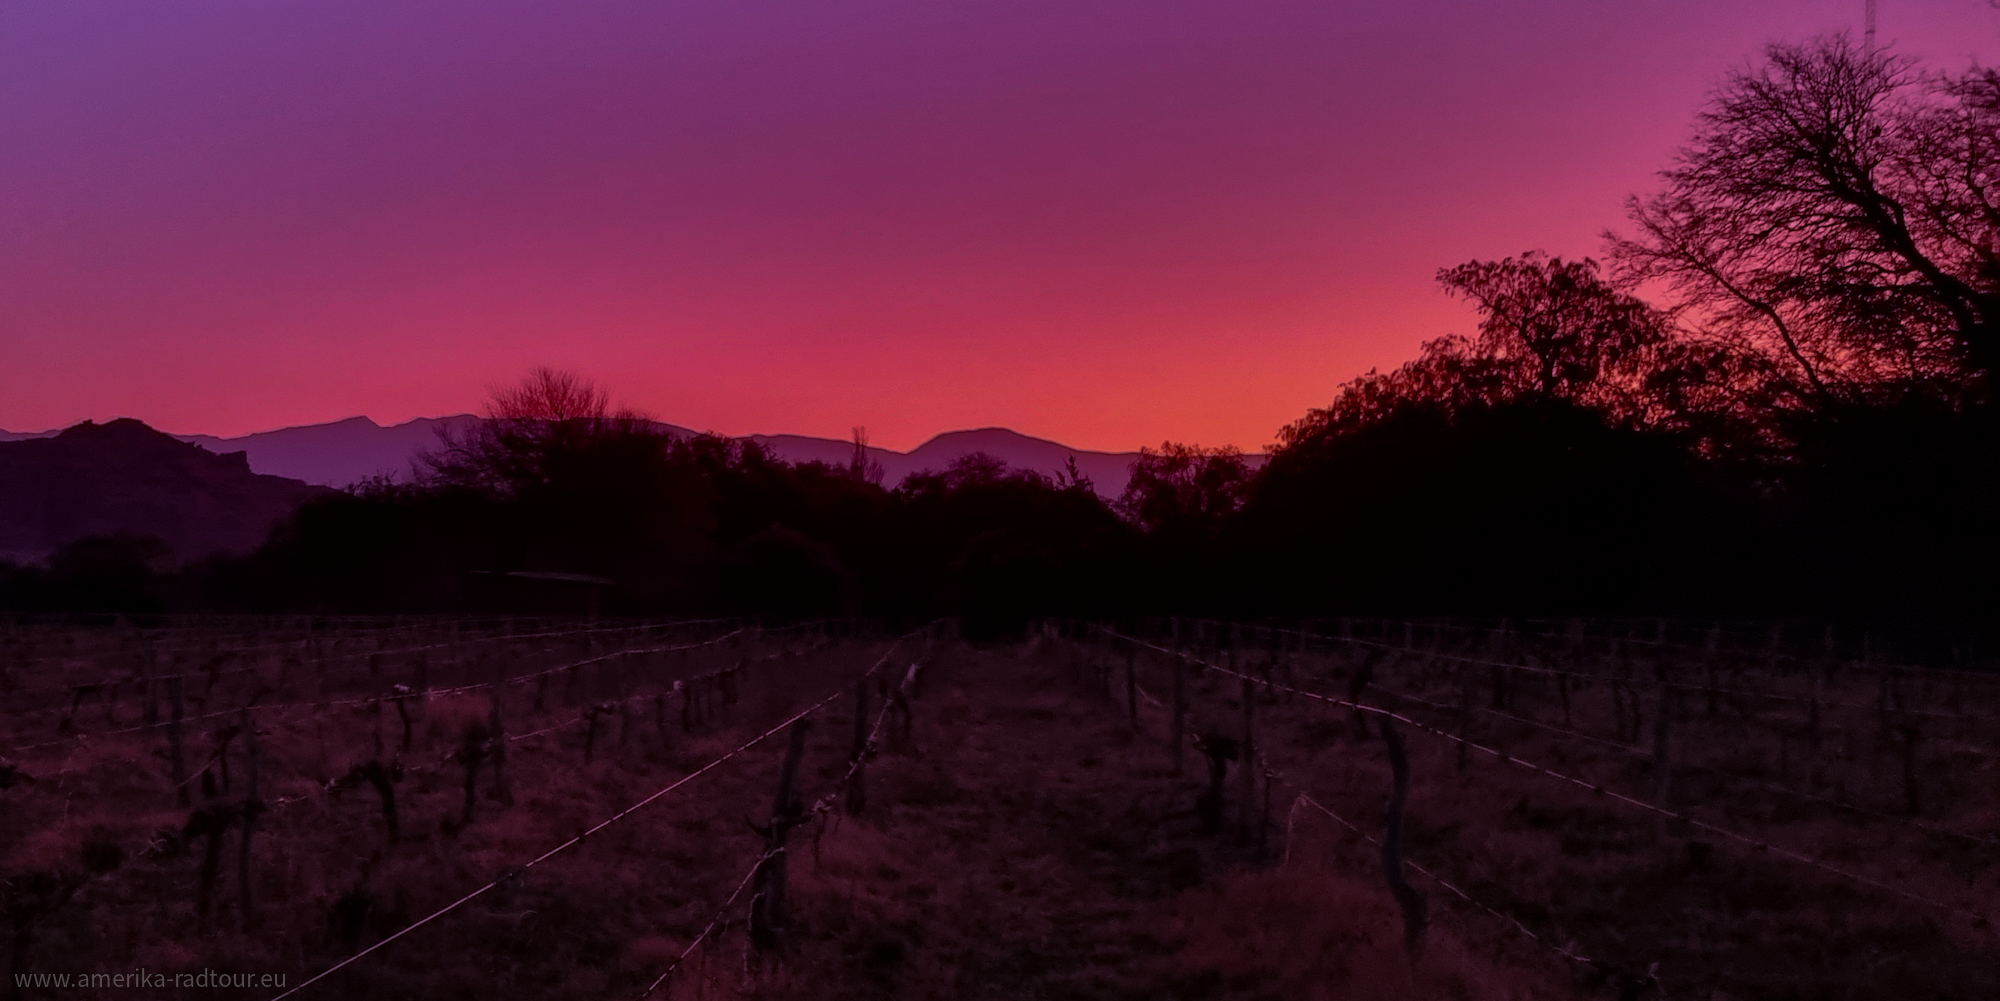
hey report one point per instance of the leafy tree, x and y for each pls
(1184, 489)
(1527, 506)
(1557, 330)
(1448, 375)
(1002, 546)
(121, 572)
(1549, 329)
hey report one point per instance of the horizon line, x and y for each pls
(1249, 452)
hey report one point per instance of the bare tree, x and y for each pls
(528, 428)
(860, 466)
(1836, 212)
(550, 395)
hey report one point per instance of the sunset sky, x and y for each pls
(1105, 223)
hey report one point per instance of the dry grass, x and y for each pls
(1028, 842)
(1039, 846)
(1720, 919)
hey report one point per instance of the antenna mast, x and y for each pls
(1868, 25)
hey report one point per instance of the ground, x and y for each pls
(1029, 837)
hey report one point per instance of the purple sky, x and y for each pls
(1106, 223)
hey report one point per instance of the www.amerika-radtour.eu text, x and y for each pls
(144, 978)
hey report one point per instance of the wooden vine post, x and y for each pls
(1220, 751)
(1131, 683)
(1813, 675)
(1290, 648)
(1178, 736)
(767, 902)
(1711, 652)
(1357, 685)
(1464, 723)
(1246, 774)
(149, 663)
(1264, 820)
(1617, 688)
(401, 698)
(383, 779)
(1562, 692)
(176, 750)
(497, 729)
(473, 752)
(1663, 763)
(1912, 794)
(224, 736)
(1416, 912)
(1577, 649)
(900, 698)
(591, 716)
(209, 821)
(253, 805)
(857, 787)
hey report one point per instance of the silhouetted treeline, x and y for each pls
(1804, 424)
(100, 573)
(698, 525)
(1529, 506)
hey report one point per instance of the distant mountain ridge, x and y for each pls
(122, 476)
(1108, 472)
(204, 494)
(338, 453)
(345, 452)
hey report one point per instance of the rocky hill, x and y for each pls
(122, 476)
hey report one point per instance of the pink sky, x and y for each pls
(1105, 223)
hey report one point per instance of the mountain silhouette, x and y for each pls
(122, 476)
(337, 454)
(345, 452)
(1107, 471)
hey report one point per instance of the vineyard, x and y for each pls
(1155, 809)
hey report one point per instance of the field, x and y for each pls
(595, 810)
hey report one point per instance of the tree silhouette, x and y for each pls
(1184, 489)
(550, 396)
(862, 468)
(1837, 210)
(1558, 329)
(532, 430)
(1549, 329)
